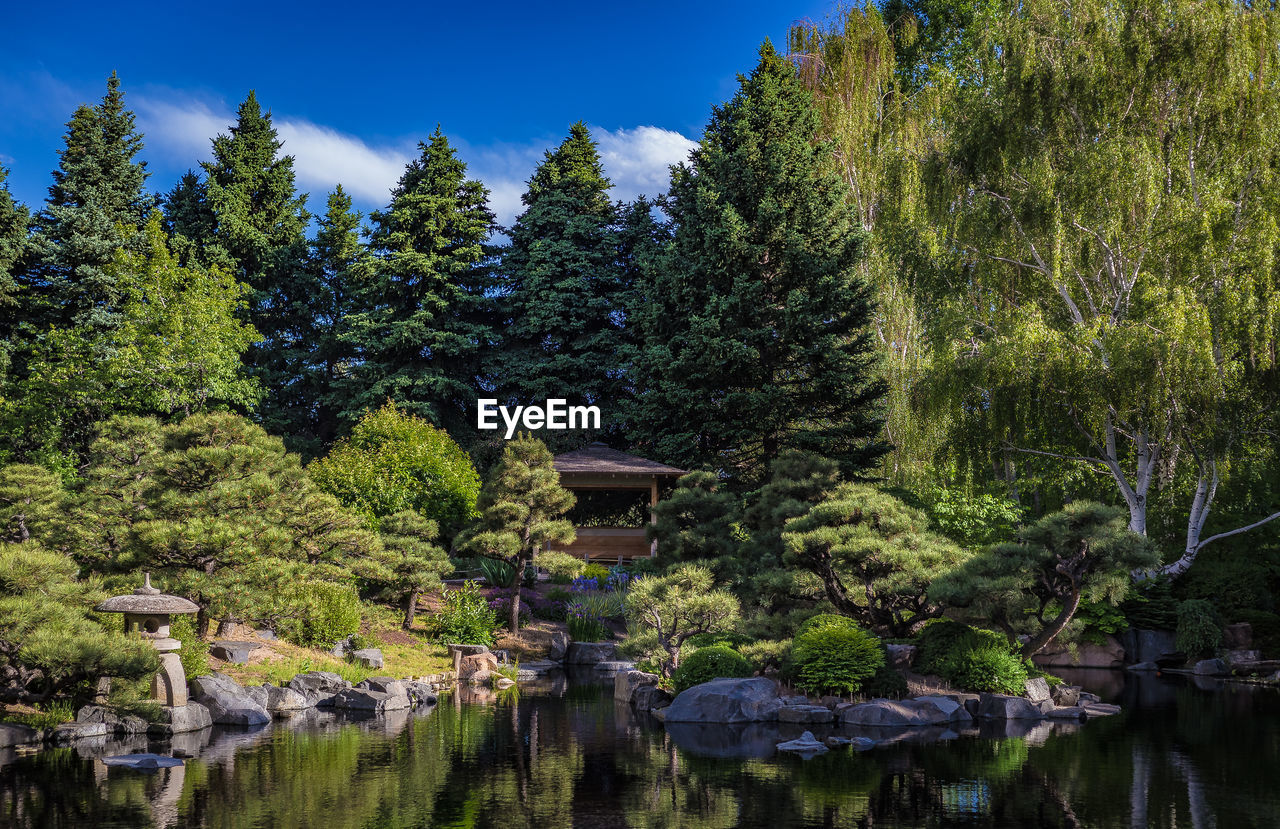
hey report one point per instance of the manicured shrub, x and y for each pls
(562, 567)
(823, 620)
(465, 617)
(706, 664)
(593, 572)
(943, 640)
(767, 654)
(886, 683)
(989, 669)
(1199, 632)
(833, 658)
(321, 613)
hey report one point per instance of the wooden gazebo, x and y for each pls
(597, 467)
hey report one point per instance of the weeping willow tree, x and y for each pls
(881, 127)
(1111, 188)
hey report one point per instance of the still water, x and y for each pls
(1181, 755)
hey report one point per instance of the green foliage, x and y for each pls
(584, 627)
(1266, 630)
(1151, 606)
(706, 664)
(319, 614)
(596, 572)
(766, 654)
(520, 508)
(990, 669)
(465, 617)
(1199, 631)
(886, 683)
(695, 522)
(423, 314)
(50, 641)
(410, 562)
(876, 556)
(195, 651)
(975, 520)
(1083, 553)
(797, 481)
(835, 657)
(49, 715)
(497, 573)
(394, 461)
(562, 567)
(672, 608)
(766, 250)
(1099, 620)
(13, 240)
(941, 638)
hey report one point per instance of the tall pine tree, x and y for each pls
(755, 328)
(96, 205)
(423, 319)
(563, 282)
(13, 243)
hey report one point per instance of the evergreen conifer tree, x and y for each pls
(423, 319)
(95, 204)
(754, 330)
(13, 242)
(563, 282)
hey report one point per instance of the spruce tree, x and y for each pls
(423, 312)
(563, 282)
(755, 328)
(95, 205)
(13, 242)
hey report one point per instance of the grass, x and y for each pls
(37, 716)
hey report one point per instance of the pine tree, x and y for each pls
(564, 282)
(13, 242)
(755, 330)
(521, 510)
(423, 320)
(258, 220)
(95, 204)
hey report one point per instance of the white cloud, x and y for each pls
(636, 159)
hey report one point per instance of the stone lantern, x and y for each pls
(147, 611)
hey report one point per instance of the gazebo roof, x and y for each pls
(598, 459)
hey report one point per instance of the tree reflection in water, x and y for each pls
(564, 755)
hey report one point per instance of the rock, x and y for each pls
(1066, 695)
(1037, 690)
(590, 653)
(1069, 712)
(504, 683)
(210, 683)
(477, 667)
(373, 702)
(319, 687)
(385, 684)
(806, 743)
(626, 683)
(901, 657)
(858, 743)
(650, 698)
(1242, 657)
(613, 667)
(190, 717)
(268, 635)
(116, 724)
(726, 701)
(1148, 645)
(143, 762)
(529, 671)
(830, 702)
(558, 646)
(1210, 667)
(235, 652)
(1143, 667)
(421, 693)
(1101, 709)
(341, 647)
(70, 731)
(226, 708)
(1238, 636)
(282, 702)
(14, 734)
(806, 714)
(660, 713)
(1004, 707)
(1110, 654)
(368, 657)
(921, 711)
(258, 694)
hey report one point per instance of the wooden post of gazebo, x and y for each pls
(601, 468)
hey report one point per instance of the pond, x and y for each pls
(1181, 755)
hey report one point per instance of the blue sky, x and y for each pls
(353, 87)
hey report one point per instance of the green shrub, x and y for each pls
(1266, 629)
(765, 654)
(1151, 607)
(823, 620)
(321, 613)
(497, 573)
(990, 669)
(833, 658)
(940, 640)
(598, 572)
(886, 683)
(1199, 632)
(562, 567)
(465, 617)
(195, 651)
(706, 664)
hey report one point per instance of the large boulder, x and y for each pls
(921, 711)
(421, 693)
(1110, 654)
(805, 745)
(1004, 707)
(368, 658)
(234, 651)
(477, 667)
(557, 646)
(14, 734)
(626, 683)
(370, 702)
(1148, 645)
(1037, 690)
(385, 684)
(282, 702)
(727, 701)
(651, 698)
(319, 687)
(1211, 667)
(68, 732)
(901, 657)
(226, 708)
(190, 717)
(591, 653)
(808, 714)
(1067, 695)
(116, 723)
